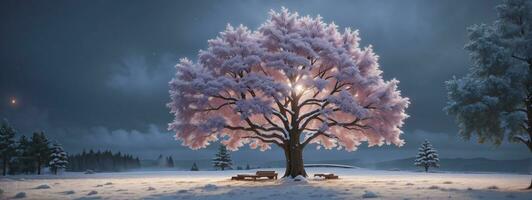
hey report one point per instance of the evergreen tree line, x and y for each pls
(28, 155)
(165, 162)
(102, 161)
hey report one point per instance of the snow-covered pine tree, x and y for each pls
(58, 158)
(7, 145)
(222, 159)
(427, 156)
(194, 167)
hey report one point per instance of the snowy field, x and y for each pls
(216, 185)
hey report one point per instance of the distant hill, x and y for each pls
(281, 163)
(206, 164)
(180, 164)
(460, 165)
(523, 166)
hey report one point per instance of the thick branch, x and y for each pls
(284, 131)
(353, 125)
(254, 130)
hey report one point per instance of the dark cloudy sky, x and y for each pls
(93, 74)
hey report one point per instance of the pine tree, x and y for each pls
(137, 162)
(58, 158)
(161, 162)
(7, 145)
(40, 149)
(247, 167)
(170, 162)
(24, 161)
(194, 167)
(222, 159)
(427, 156)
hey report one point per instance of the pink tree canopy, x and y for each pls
(294, 79)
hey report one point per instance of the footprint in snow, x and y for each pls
(493, 187)
(43, 186)
(369, 194)
(68, 192)
(20, 195)
(434, 187)
(210, 187)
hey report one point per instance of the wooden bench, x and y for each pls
(326, 176)
(257, 175)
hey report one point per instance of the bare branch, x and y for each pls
(523, 140)
(254, 130)
(265, 140)
(315, 135)
(519, 58)
(215, 108)
(225, 98)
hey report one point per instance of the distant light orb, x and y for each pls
(299, 88)
(13, 101)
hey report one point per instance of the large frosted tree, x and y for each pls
(293, 82)
(494, 100)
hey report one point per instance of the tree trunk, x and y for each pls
(4, 167)
(426, 169)
(39, 166)
(294, 160)
(287, 162)
(528, 104)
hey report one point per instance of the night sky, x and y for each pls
(94, 74)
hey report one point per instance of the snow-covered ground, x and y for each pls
(353, 184)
